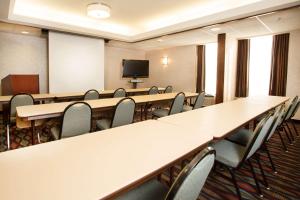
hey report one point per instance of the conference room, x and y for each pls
(149, 100)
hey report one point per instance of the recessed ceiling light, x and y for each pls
(98, 10)
(24, 32)
(160, 40)
(215, 29)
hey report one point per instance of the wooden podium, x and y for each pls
(14, 84)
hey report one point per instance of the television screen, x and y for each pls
(136, 68)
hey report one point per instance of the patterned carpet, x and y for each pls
(285, 185)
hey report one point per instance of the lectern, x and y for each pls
(17, 83)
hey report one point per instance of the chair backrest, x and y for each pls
(199, 101)
(259, 136)
(91, 94)
(277, 118)
(177, 104)
(120, 92)
(21, 99)
(153, 90)
(76, 120)
(124, 112)
(168, 89)
(295, 109)
(191, 179)
(291, 108)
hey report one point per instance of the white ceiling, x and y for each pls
(133, 20)
(277, 22)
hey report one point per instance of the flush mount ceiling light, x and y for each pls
(98, 10)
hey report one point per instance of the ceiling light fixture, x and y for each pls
(98, 10)
(24, 32)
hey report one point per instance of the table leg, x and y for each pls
(146, 111)
(32, 131)
(172, 169)
(141, 112)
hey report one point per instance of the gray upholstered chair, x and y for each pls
(76, 120)
(175, 108)
(123, 115)
(233, 156)
(283, 125)
(187, 186)
(91, 94)
(198, 103)
(243, 136)
(168, 89)
(293, 114)
(294, 106)
(153, 90)
(120, 92)
(21, 99)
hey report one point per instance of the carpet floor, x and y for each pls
(285, 185)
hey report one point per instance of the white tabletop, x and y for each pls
(42, 111)
(221, 119)
(5, 99)
(96, 165)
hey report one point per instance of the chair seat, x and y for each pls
(55, 132)
(103, 124)
(160, 112)
(229, 153)
(186, 108)
(151, 190)
(242, 137)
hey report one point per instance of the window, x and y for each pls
(260, 65)
(211, 68)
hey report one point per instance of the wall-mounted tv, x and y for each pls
(136, 68)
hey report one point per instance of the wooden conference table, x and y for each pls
(102, 165)
(70, 95)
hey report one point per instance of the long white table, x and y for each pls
(40, 97)
(94, 166)
(102, 165)
(42, 111)
(29, 116)
(222, 119)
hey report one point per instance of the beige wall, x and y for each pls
(293, 78)
(113, 66)
(180, 72)
(23, 54)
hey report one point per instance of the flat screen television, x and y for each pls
(136, 68)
